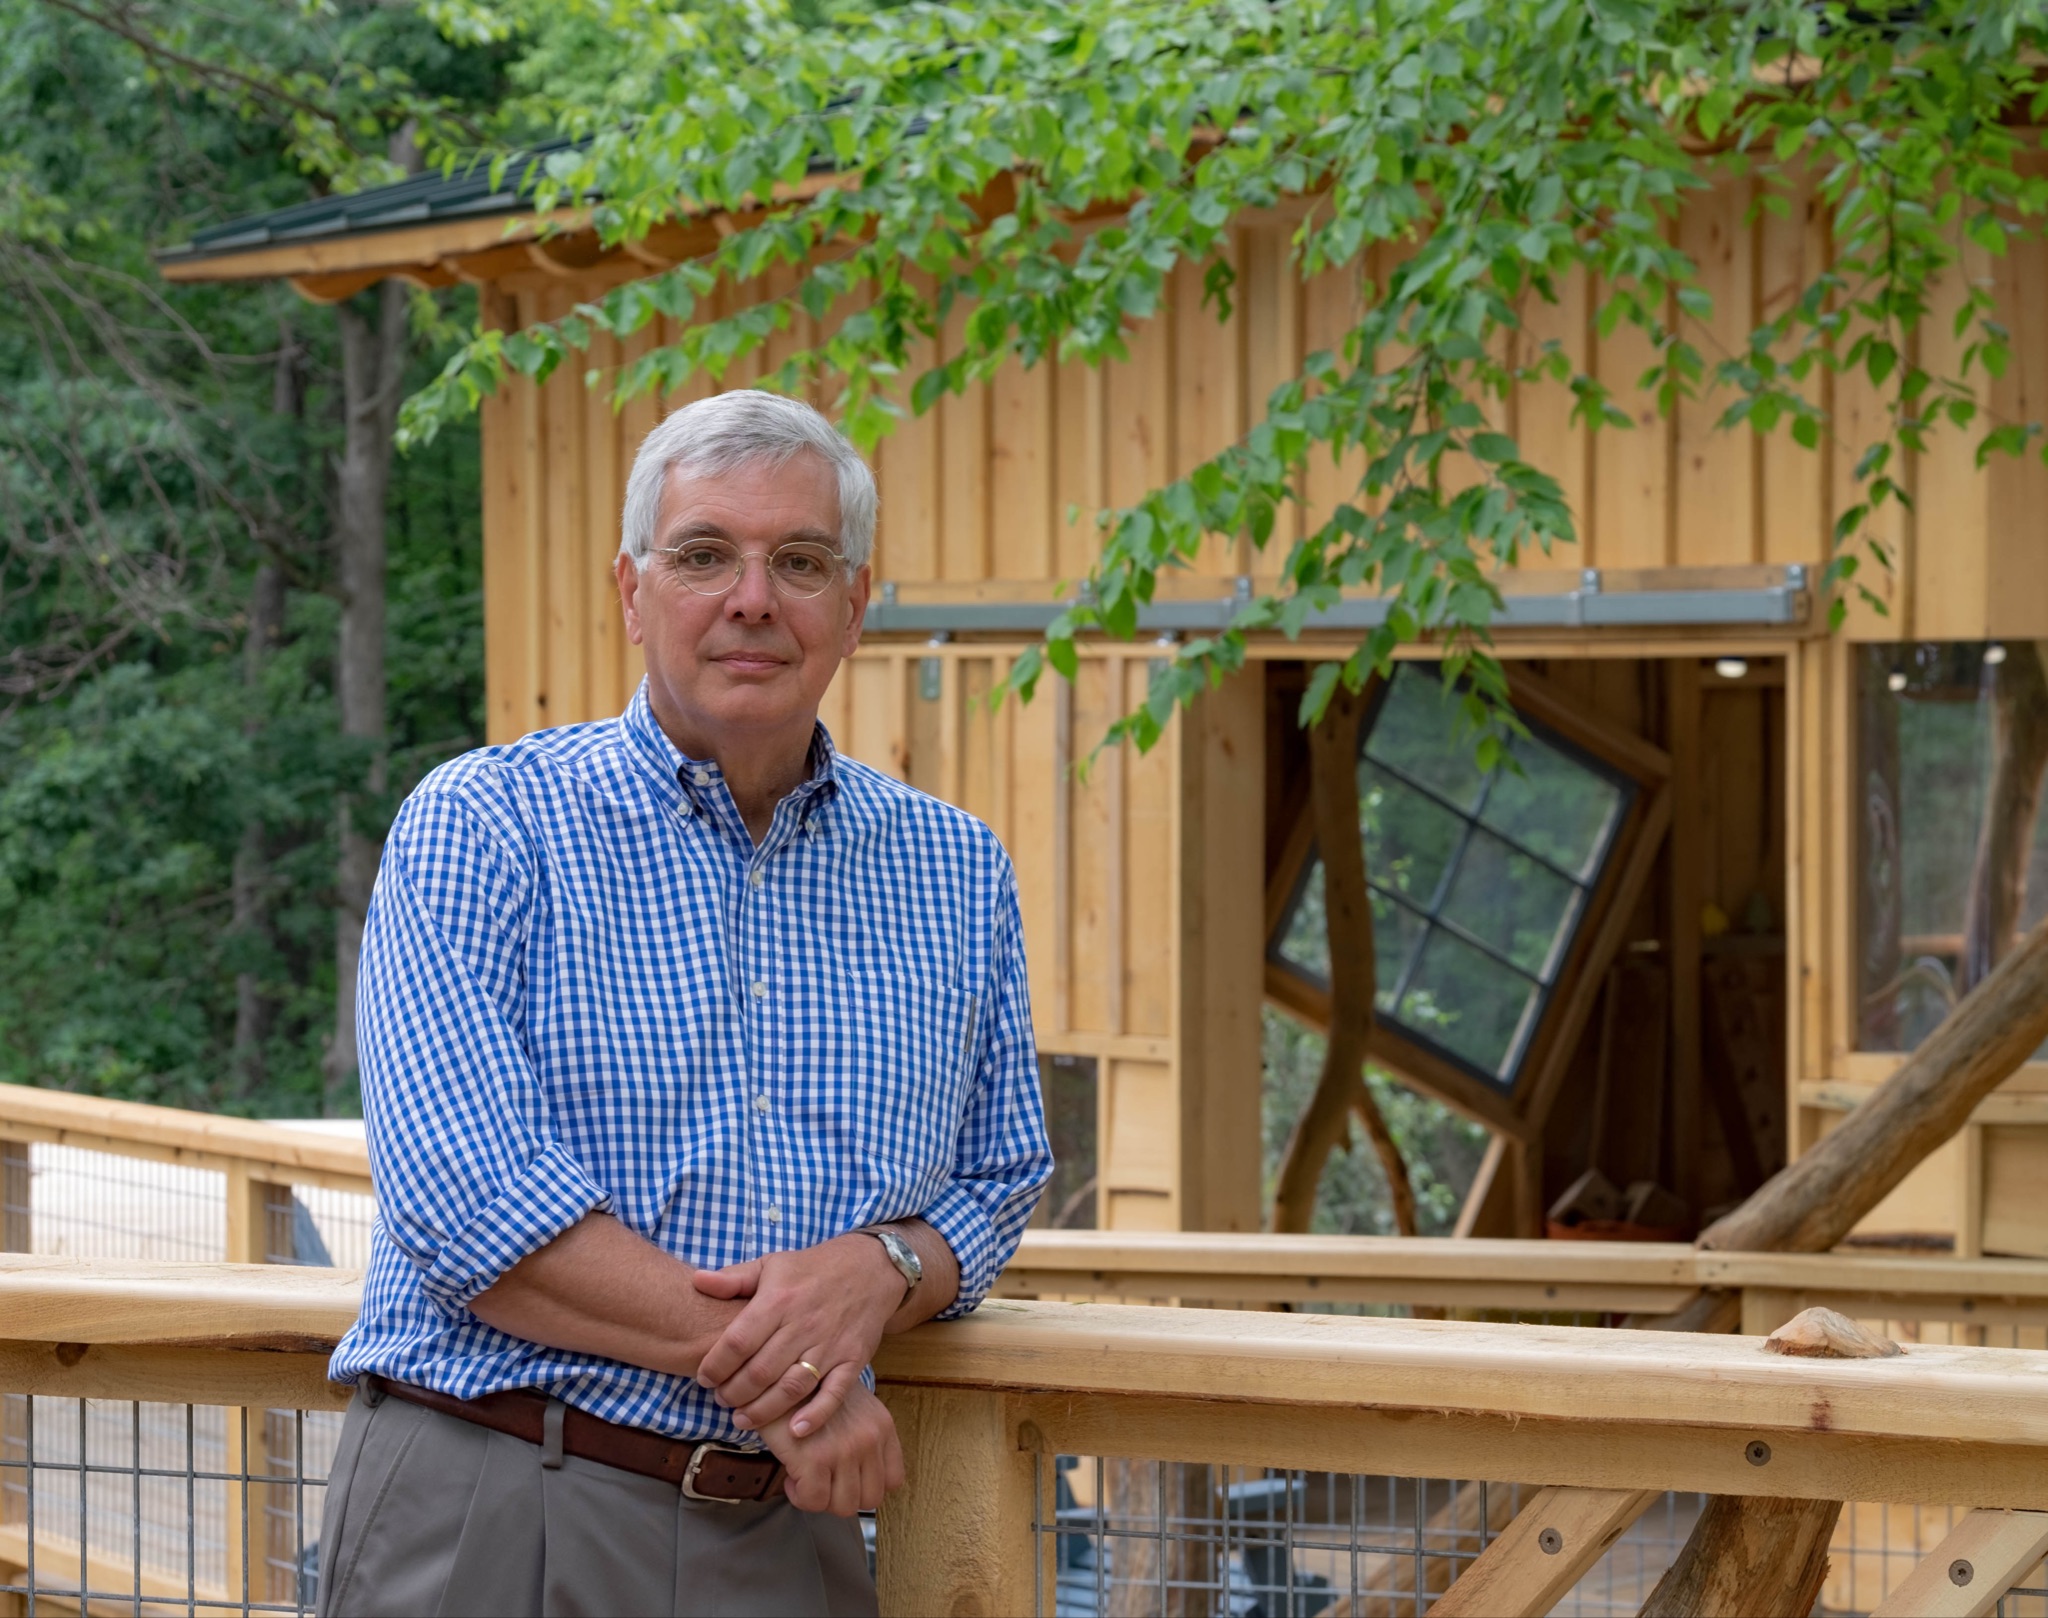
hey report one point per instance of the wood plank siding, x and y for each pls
(1142, 880)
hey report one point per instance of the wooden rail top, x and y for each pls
(1079, 1258)
(73, 1300)
(1982, 1395)
(1582, 1374)
(173, 1135)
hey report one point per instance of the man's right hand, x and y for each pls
(847, 1465)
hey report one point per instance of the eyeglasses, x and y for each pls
(710, 567)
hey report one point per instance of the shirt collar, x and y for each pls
(681, 773)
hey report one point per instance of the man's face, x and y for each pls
(748, 667)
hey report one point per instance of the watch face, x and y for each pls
(903, 1256)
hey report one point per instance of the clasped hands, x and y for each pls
(826, 1305)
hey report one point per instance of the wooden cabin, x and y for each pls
(1754, 897)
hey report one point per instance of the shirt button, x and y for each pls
(702, 777)
(762, 1103)
(760, 990)
(772, 1214)
(755, 878)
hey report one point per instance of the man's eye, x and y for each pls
(803, 566)
(702, 559)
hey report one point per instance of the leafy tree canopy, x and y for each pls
(1047, 164)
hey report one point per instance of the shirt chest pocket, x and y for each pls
(913, 1061)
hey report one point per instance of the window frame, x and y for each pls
(1567, 999)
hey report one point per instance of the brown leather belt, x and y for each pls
(702, 1471)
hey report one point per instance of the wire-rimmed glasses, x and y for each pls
(710, 567)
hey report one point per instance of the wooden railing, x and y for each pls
(1529, 1277)
(262, 1162)
(1596, 1423)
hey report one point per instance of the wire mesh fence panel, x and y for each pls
(2029, 1597)
(85, 1204)
(1120, 1538)
(320, 1226)
(1123, 1537)
(160, 1508)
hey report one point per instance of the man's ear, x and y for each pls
(857, 601)
(629, 595)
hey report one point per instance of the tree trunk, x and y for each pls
(373, 353)
(1168, 1567)
(1324, 1122)
(253, 1006)
(1748, 1556)
(1998, 881)
(1810, 1205)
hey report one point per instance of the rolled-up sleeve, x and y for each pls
(1003, 1161)
(470, 1176)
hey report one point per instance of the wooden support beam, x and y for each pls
(1964, 1576)
(1546, 1550)
(336, 287)
(957, 1537)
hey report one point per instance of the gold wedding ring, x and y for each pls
(815, 1372)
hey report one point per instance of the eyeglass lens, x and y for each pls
(713, 566)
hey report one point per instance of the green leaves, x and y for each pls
(937, 193)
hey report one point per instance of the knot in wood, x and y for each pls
(1822, 1334)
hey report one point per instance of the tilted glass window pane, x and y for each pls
(1479, 880)
(1517, 905)
(1410, 839)
(1556, 808)
(1305, 945)
(1411, 730)
(1468, 1003)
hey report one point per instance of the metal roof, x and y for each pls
(422, 199)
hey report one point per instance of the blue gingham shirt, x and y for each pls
(583, 987)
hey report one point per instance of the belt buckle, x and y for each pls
(697, 1459)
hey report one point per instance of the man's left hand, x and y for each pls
(826, 1304)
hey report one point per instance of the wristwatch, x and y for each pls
(901, 1254)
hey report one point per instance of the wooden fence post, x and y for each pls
(957, 1539)
(259, 1231)
(16, 1236)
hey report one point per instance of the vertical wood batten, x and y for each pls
(1545, 431)
(603, 660)
(1207, 389)
(964, 448)
(1793, 506)
(506, 477)
(2017, 559)
(1270, 294)
(1714, 470)
(1951, 583)
(535, 447)
(563, 402)
(1023, 515)
(1631, 465)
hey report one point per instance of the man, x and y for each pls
(694, 1059)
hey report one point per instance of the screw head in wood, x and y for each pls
(1960, 1571)
(1551, 1541)
(1758, 1453)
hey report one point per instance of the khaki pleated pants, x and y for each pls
(429, 1514)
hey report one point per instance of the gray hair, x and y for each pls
(743, 428)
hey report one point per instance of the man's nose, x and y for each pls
(753, 599)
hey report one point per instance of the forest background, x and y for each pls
(174, 775)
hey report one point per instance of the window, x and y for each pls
(1068, 1085)
(1480, 880)
(1952, 856)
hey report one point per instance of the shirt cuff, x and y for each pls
(549, 1196)
(965, 1224)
